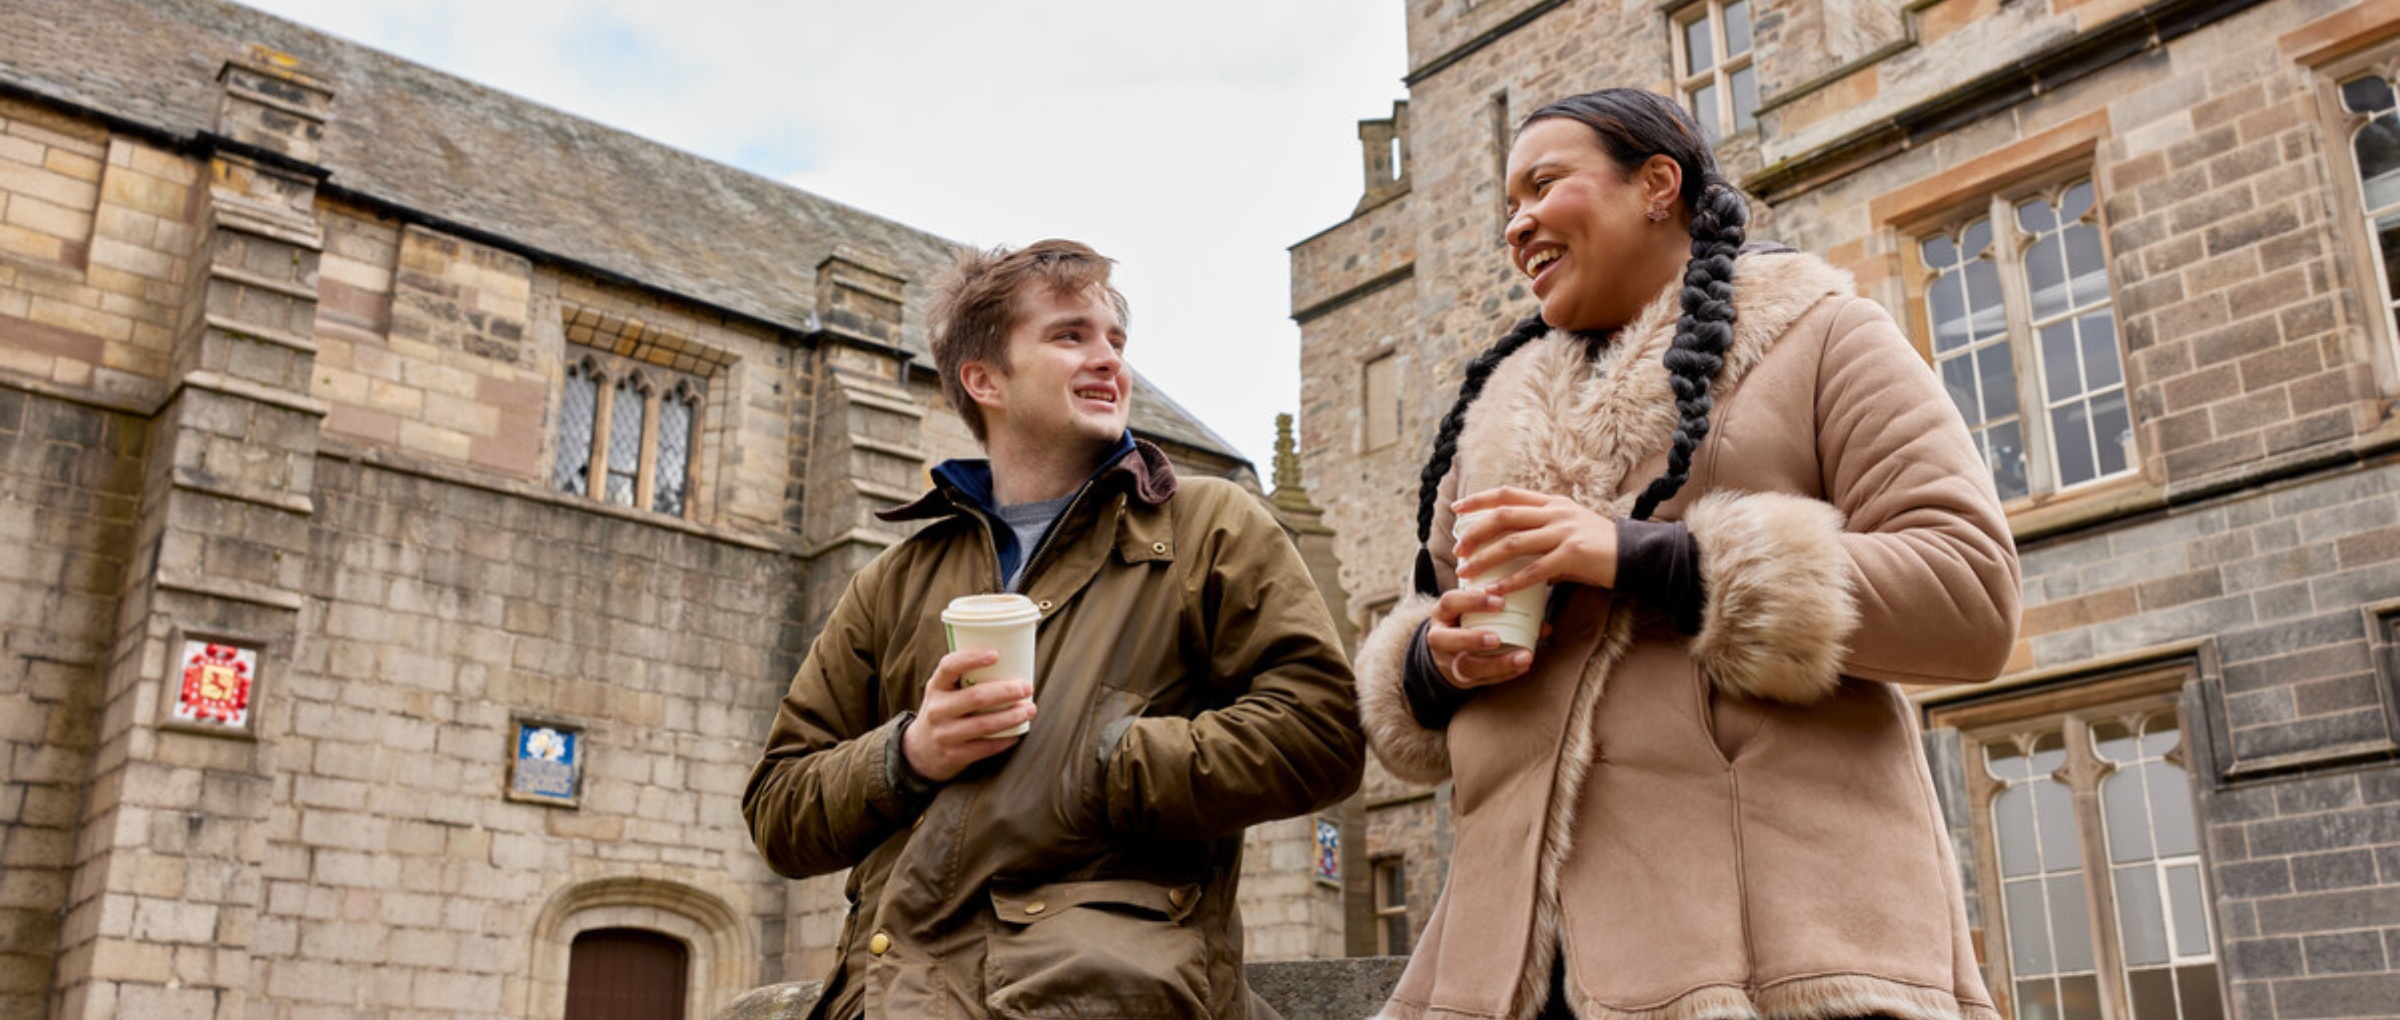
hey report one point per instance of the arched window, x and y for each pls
(2024, 333)
(678, 417)
(626, 974)
(628, 412)
(578, 408)
(2375, 147)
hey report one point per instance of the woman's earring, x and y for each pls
(1658, 214)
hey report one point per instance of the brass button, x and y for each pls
(1036, 907)
(1044, 605)
(1179, 897)
(879, 944)
(1159, 548)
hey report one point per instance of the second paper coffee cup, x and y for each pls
(1519, 621)
(1003, 623)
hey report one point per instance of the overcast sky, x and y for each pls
(1193, 142)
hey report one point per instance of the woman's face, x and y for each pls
(1577, 227)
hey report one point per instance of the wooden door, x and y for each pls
(626, 974)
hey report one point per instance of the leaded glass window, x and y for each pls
(677, 413)
(629, 434)
(2020, 316)
(576, 408)
(628, 408)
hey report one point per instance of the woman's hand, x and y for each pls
(1472, 657)
(1562, 540)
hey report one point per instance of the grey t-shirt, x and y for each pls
(1030, 521)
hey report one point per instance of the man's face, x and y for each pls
(1065, 381)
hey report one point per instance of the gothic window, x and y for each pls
(2375, 154)
(1713, 68)
(2024, 335)
(626, 433)
(2093, 892)
(577, 413)
(677, 412)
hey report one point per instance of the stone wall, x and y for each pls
(397, 876)
(71, 478)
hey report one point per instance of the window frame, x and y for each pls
(2071, 708)
(1381, 870)
(656, 384)
(1721, 67)
(2365, 255)
(2010, 245)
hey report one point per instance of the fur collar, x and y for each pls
(1553, 419)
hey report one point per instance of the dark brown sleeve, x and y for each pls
(1431, 699)
(1658, 562)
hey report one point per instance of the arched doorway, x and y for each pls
(626, 974)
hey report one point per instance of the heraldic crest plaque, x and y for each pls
(215, 685)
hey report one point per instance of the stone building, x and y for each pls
(416, 501)
(2150, 248)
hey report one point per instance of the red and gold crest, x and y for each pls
(216, 684)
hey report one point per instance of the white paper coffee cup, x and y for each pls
(1004, 623)
(1519, 620)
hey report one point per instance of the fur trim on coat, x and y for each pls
(1779, 603)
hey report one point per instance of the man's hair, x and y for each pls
(975, 305)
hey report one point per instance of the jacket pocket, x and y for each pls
(1082, 793)
(1117, 949)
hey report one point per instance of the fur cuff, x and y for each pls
(1834, 996)
(1779, 606)
(1411, 751)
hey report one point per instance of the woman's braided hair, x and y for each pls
(1630, 125)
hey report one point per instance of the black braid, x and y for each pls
(1445, 441)
(1703, 332)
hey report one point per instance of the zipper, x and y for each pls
(1034, 558)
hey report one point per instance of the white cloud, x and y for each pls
(1193, 142)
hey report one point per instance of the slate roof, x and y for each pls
(513, 171)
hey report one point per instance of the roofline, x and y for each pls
(201, 144)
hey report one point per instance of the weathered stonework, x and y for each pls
(271, 374)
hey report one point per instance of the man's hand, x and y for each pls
(953, 728)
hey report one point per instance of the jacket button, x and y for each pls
(1043, 605)
(1036, 907)
(1159, 548)
(880, 944)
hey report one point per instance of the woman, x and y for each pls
(1701, 795)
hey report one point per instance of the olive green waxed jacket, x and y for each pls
(1062, 878)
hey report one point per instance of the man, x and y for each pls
(1188, 684)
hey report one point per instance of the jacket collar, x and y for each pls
(1560, 417)
(964, 485)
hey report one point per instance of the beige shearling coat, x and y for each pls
(1740, 823)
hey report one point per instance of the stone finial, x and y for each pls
(1290, 493)
(271, 103)
(859, 299)
(1384, 146)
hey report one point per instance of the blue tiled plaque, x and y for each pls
(547, 764)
